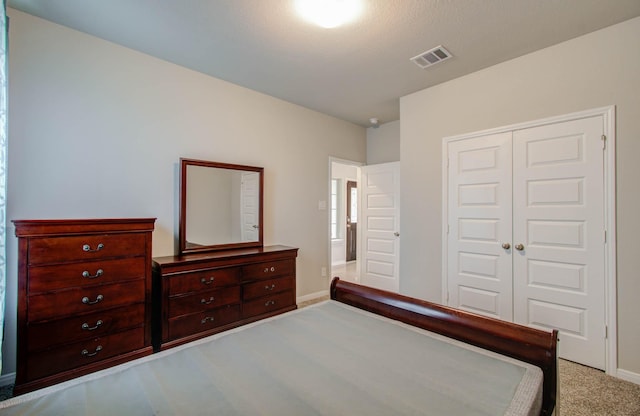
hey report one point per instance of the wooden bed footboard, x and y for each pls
(517, 341)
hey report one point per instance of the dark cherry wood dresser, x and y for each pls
(200, 294)
(84, 297)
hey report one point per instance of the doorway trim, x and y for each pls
(347, 162)
(608, 115)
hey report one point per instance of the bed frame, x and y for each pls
(523, 343)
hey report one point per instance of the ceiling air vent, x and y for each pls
(431, 57)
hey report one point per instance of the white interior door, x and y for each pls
(559, 235)
(479, 267)
(250, 199)
(380, 225)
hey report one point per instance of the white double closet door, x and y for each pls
(526, 231)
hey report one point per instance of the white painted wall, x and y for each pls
(97, 130)
(595, 70)
(338, 251)
(383, 143)
(202, 227)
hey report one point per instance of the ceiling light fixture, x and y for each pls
(329, 13)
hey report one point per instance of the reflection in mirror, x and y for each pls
(221, 206)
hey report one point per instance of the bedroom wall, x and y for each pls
(383, 143)
(96, 130)
(591, 71)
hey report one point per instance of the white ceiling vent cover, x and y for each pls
(431, 57)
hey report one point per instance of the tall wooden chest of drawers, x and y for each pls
(201, 294)
(84, 297)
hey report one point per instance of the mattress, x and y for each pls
(326, 359)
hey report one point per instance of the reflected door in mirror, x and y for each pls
(249, 207)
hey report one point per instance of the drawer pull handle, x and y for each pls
(267, 287)
(91, 354)
(207, 319)
(267, 269)
(90, 276)
(270, 302)
(86, 300)
(207, 302)
(87, 247)
(86, 327)
(206, 281)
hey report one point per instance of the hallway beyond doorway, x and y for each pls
(346, 271)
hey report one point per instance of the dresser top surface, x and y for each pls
(46, 227)
(224, 254)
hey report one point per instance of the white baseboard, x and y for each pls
(7, 379)
(628, 376)
(312, 296)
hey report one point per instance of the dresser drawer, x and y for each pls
(84, 300)
(84, 352)
(47, 278)
(268, 304)
(87, 247)
(201, 301)
(202, 321)
(203, 280)
(268, 269)
(46, 334)
(266, 287)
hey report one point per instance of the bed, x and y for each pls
(363, 352)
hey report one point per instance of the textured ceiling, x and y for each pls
(353, 72)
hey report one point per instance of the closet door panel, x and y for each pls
(479, 219)
(558, 217)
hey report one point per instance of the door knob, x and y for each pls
(397, 234)
(506, 246)
(519, 247)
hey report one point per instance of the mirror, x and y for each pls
(220, 206)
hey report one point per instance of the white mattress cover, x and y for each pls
(327, 359)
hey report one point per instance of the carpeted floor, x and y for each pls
(584, 391)
(6, 392)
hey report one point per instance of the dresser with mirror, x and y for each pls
(223, 276)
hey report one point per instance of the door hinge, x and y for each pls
(606, 332)
(447, 228)
(605, 236)
(604, 141)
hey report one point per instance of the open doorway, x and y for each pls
(352, 221)
(343, 218)
(373, 200)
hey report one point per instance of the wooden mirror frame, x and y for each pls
(184, 246)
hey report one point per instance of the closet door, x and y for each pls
(479, 221)
(558, 212)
